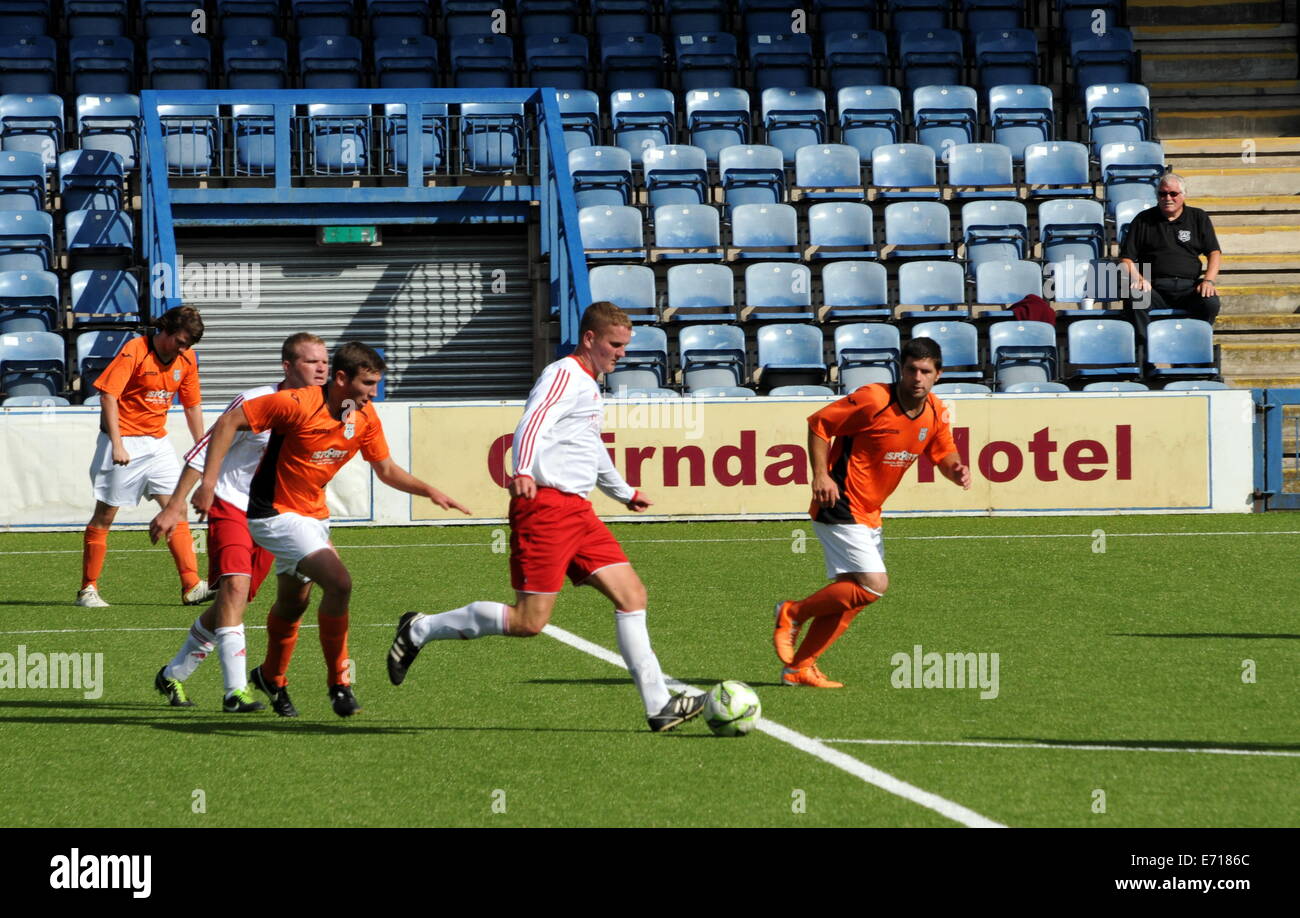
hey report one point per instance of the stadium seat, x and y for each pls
(641, 118)
(701, 293)
(29, 301)
(26, 241)
(1057, 169)
(1135, 161)
(25, 17)
(685, 16)
(1071, 230)
(547, 17)
(314, 18)
(858, 57)
(31, 364)
(944, 116)
(828, 172)
(99, 239)
(1180, 349)
(260, 62)
(482, 61)
(1021, 114)
(1117, 386)
(793, 118)
(109, 123)
(980, 170)
(190, 136)
(1125, 211)
(687, 232)
(1023, 387)
(765, 232)
(104, 298)
(911, 15)
(847, 15)
(406, 62)
(1117, 113)
(959, 342)
(1007, 282)
(340, 138)
(713, 356)
(101, 63)
(994, 231)
(632, 61)
(904, 170)
(492, 136)
(611, 233)
(29, 64)
(706, 60)
(254, 137)
(1128, 198)
(870, 117)
(1101, 349)
(22, 181)
(332, 62)
(790, 355)
(723, 392)
(1006, 56)
(751, 174)
(918, 229)
(35, 401)
(91, 179)
(778, 292)
(855, 290)
(179, 62)
(1193, 385)
(601, 175)
(622, 16)
(931, 57)
(717, 119)
(1077, 15)
(647, 351)
(780, 61)
(1021, 351)
(433, 136)
(95, 351)
(801, 390)
(96, 17)
(932, 283)
(1107, 58)
(629, 287)
(557, 60)
(34, 124)
(163, 18)
(580, 115)
(469, 17)
(865, 353)
(838, 230)
(967, 388)
(675, 174)
(248, 18)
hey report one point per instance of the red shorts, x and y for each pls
(231, 549)
(555, 534)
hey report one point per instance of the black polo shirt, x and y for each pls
(1171, 247)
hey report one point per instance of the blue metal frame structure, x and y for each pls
(1270, 447)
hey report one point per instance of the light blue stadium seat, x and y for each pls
(723, 392)
(406, 62)
(1007, 281)
(966, 388)
(1186, 344)
(931, 57)
(778, 292)
(629, 287)
(29, 301)
(248, 18)
(1125, 211)
(314, 18)
(701, 293)
(1072, 230)
(548, 17)
(1117, 386)
(687, 232)
(801, 390)
(179, 62)
(959, 342)
(994, 231)
(904, 170)
(433, 136)
(706, 60)
(931, 283)
(1128, 198)
(1117, 113)
(254, 137)
(190, 138)
(601, 175)
(647, 349)
(32, 364)
(95, 351)
(1141, 161)
(765, 232)
(29, 64)
(35, 401)
(1057, 169)
(109, 123)
(558, 60)
(611, 233)
(780, 60)
(1021, 114)
(1193, 385)
(712, 356)
(1023, 387)
(580, 115)
(91, 179)
(944, 115)
(101, 63)
(1107, 58)
(331, 62)
(1101, 349)
(641, 118)
(856, 57)
(1006, 56)
(828, 172)
(255, 62)
(33, 124)
(866, 352)
(790, 355)
(646, 392)
(99, 238)
(96, 17)
(26, 241)
(751, 174)
(104, 297)
(793, 118)
(918, 229)
(492, 136)
(717, 118)
(632, 60)
(838, 230)
(855, 290)
(22, 181)
(1022, 351)
(870, 117)
(980, 170)
(675, 174)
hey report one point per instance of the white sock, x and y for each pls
(197, 646)
(634, 645)
(230, 644)
(478, 619)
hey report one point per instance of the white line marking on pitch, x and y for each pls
(935, 538)
(1074, 746)
(859, 769)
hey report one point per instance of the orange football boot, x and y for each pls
(810, 676)
(786, 633)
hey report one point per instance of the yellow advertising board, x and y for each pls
(707, 458)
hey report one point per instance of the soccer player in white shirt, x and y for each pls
(558, 458)
(238, 565)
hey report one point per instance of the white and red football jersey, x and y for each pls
(243, 457)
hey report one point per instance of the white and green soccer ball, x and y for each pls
(732, 708)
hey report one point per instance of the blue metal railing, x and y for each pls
(561, 234)
(158, 234)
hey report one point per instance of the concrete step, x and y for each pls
(1172, 91)
(1259, 354)
(1258, 240)
(1232, 146)
(1248, 302)
(1198, 117)
(1198, 35)
(1244, 180)
(1250, 210)
(1198, 64)
(1245, 324)
(1249, 381)
(1203, 12)
(1229, 43)
(1247, 158)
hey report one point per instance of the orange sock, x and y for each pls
(94, 545)
(281, 638)
(822, 633)
(334, 642)
(182, 548)
(832, 609)
(832, 599)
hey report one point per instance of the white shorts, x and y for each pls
(851, 548)
(290, 537)
(152, 472)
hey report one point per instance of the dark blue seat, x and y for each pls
(322, 17)
(931, 57)
(1106, 58)
(104, 297)
(560, 61)
(986, 15)
(406, 62)
(1006, 56)
(781, 61)
(22, 181)
(856, 58)
(101, 63)
(706, 60)
(91, 179)
(165, 18)
(32, 123)
(330, 62)
(95, 351)
(95, 17)
(685, 16)
(179, 62)
(404, 18)
(28, 64)
(29, 301)
(25, 17)
(548, 17)
(633, 60)
(248, 18)
(255, 62)
(110, 123)
(99, 238)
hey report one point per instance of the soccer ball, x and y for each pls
(732, 708)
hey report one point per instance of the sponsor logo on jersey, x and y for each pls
(329, 455)
(158, 395)
(899, 457)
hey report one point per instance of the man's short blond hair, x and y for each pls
(600, 315)
(289, 350)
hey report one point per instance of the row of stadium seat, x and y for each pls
(91, 239)
(86, 179)
(34, 369)
(33, 301)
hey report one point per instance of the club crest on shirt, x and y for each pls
(348, 430)
(1184, 235)
(176, 374)
(921, 436)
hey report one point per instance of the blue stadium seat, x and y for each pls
(1134, 161)
(165, 18)
(855, 290)
(723, 392)
(713, 356)
(716, 119)
(99, 238)
(686, 16)
(687, 232)
(968, 388)
(841, 229)
(32, 364)
(110, 123)
(95, 351)
(793, 118)
(1021, 387)
(1022, 352)
(29, 301)
(751, 174)
(34, 124)
(1057, 169)
(470, 17)
(91, 179)
(642, 118)
(856, 58)
(1180, 349)
(1021, 114)
(931, 283)
(781, 61)
(314, 18)
(340, 138)
(944, 116)
(932, 57)
(101, 63)
(1192, 385)
(675, 174)
(611, 233)
(1117, 386)
(557, 60)
(580, 115)
(1129, 198)
(398, 18)
(790, 355)
(994, 231)
(96, 17)
(766, 16)
(647, 350)
(765, 232)
(632, 61)
(26, 241)
(870, 117)
(778, 292)
(548, 17)
(801, 390)
(914, 15)
(1117, 113)
(702, 293)
(104, 298)
(35, 401)
(255, 62)
(406, 62)
(959, 342)
(986, 15)
(1101, 349)
(865, 353)
(333, 62)
(254, 137)
(1072, 230)
(1106, 58)
(629, 287)
(1007, 282)
(1125, 211)
(482, 61)
(980, 170)
(918, 229)
(828, 172)
(179, 62)
(25, 17)
(29, 64)
(1006, 56)
(706, 60)
(492, 136)
(904, 170)
(22, 181)
(1077, 15)
(601, 175)
(433, 136)
(249, 18)
(622, 16)
(190, 138)
(847, 15)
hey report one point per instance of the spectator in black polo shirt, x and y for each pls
(1169, 238)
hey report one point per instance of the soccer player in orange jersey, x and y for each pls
(878, 432)
(132, 456)
(314, 432)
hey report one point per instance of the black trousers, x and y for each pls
(1172, 293)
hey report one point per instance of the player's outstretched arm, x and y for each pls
(161, 526)
(955, 470)
(398, 478)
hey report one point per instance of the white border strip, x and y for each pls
(1072, 746)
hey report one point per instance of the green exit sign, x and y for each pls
(348, 235)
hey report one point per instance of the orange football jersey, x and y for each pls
(144, 386)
